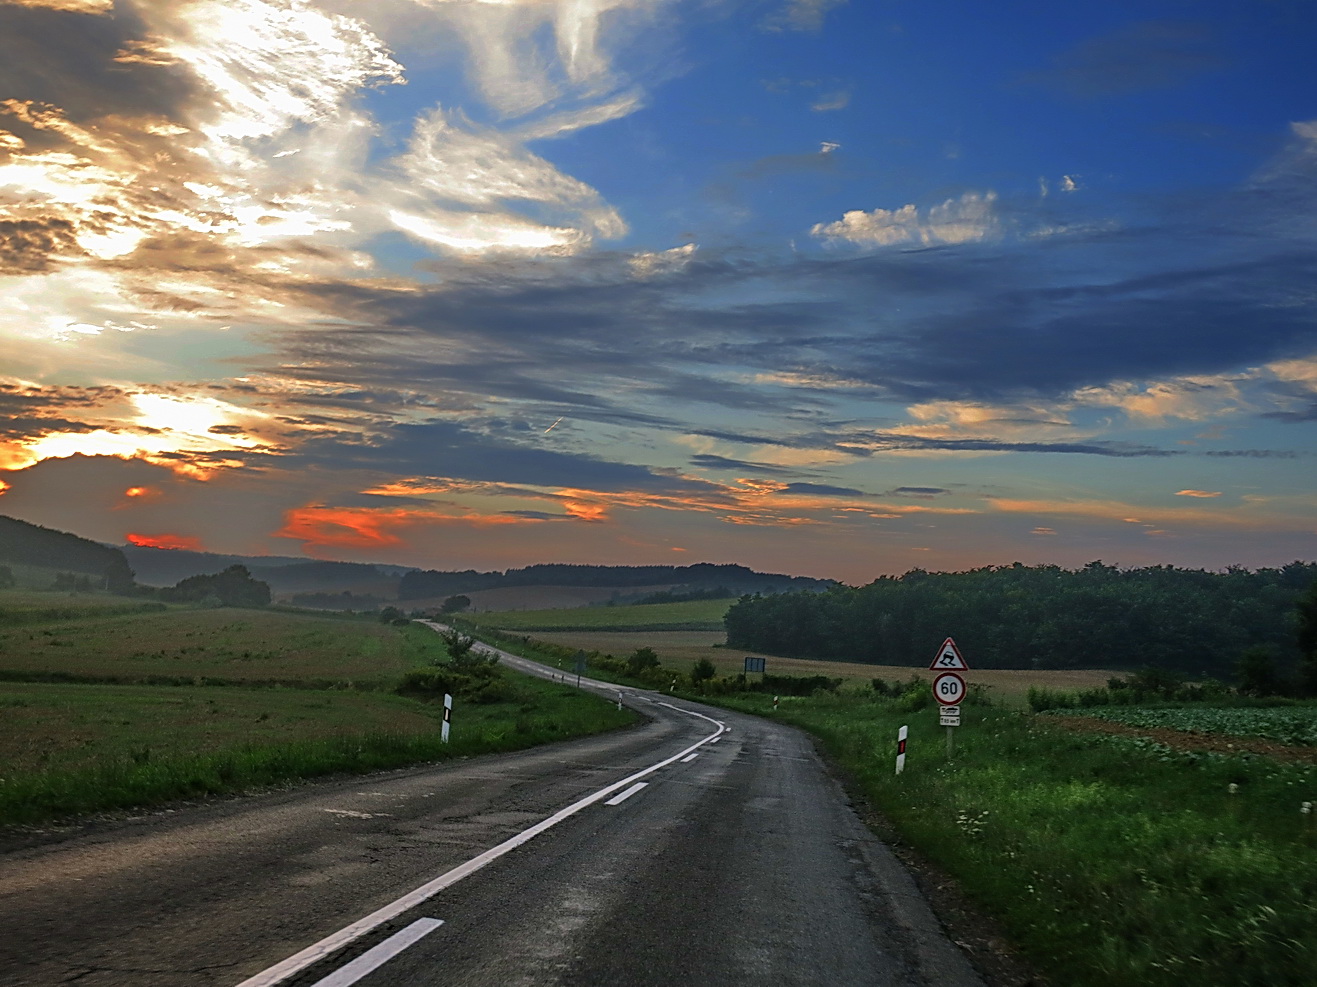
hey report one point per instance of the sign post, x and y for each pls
(901, 735)
(949, 688)
(448, 717)
(580, 667)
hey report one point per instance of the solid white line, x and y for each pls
(619, 799)
(299, 961)
(377, 956)
(687, 760)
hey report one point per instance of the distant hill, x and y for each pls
(27, 544)
(284, 574)
(736, 579)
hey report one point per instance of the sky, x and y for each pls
(836, 288)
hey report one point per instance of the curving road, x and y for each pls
(702, 846)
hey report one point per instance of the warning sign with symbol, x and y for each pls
(948, 657)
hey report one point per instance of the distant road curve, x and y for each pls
(701, 847)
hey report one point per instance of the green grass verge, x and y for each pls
(1108, 859)
(131, 747)
(689, 615)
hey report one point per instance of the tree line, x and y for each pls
(1192, 621)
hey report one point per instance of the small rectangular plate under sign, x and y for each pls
(949, 721)
(950, 710)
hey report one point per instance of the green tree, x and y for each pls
(641, 659)
(1307, 635)
(1256, 673)
(7, 580)
(702, 671)
(234, 587)
(455, 604)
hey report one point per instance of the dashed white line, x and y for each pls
(619, 799)
(318, 951)
(687, 760)
(375, 957)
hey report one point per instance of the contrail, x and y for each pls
(554, 425)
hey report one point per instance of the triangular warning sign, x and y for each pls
(948, 656)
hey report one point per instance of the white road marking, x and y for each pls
(619, 799)
(687, 760)
(377, 956)
(354, 814)
(316, 952)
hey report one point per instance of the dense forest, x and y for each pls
(31, 544)
(419, 585)
(1187, 620)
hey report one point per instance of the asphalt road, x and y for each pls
(737, 861)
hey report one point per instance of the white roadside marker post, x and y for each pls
(900, 748)
(448, 717)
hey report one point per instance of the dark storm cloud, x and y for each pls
(27, 246)
(709, 461)
(1203, 284)
(69, 60)
(1136, 58)
(820, 490)
(448, 450)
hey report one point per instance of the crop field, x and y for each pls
(680, 649)
(109, 703)
(228, 644)
(1283, 724)
(70, 726)
(691, 615)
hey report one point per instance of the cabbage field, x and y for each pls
(1283, 724)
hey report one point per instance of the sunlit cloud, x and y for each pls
(184, 542)
(969, 218)
(1198, 493)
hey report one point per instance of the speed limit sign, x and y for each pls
(948, 689)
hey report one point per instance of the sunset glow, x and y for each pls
(834, 288)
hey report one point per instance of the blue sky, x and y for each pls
(817, 286)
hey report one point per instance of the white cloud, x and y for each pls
(648, 265)
(831, 101)
(801, 15)
(971, 217)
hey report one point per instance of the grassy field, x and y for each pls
(229, 644)
(1108, 859)
(692, 615)
(105, 709)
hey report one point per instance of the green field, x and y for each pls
(692, 615)
(106, 705)
(228, 644)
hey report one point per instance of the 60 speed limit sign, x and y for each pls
(948, 689)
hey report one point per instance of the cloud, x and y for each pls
(820, 490)
(1198, 493)
(184, 542)
(800, 15)
(831, 101)
(969, 218)
(1137, 58)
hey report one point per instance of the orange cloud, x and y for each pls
(184, 542)
(1198, 493)
(319, 527)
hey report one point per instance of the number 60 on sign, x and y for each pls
(948, 689)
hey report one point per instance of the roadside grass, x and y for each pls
(689, 615)
(130, 747)
(1107, 859)
(226, 644)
